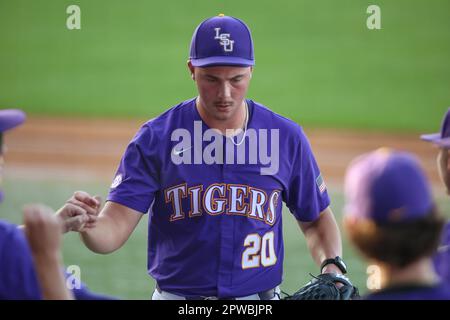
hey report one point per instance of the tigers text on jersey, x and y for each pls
(215, 227)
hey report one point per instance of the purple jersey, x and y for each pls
(413, 292)
(215, 225)
(442, 258)
(18, 280)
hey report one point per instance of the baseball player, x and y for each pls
(31, 262)
(213, 172)
(442, 141)
(392, 219)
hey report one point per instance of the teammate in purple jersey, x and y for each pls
(213, 172)
(30, 257)
(390, 216)
(442, 141)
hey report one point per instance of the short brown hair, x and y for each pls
(400, 243)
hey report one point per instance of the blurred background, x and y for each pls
(87, 91)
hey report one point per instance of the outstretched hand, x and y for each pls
(80, 212)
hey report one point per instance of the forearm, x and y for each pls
(104, 237)
(323, 237)
(111, 228)
(51, 278)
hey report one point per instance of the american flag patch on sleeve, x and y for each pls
(321, 184)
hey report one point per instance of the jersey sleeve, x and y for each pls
(18, 280)
(307, 195)
(84, 293)
(137, 178)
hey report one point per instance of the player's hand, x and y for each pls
(443, 168)
(90, 204)
(72, 217)
(42, 229)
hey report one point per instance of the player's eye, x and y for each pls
(236, 80)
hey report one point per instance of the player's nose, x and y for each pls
(225, 90)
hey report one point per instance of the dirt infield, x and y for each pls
(62, 148)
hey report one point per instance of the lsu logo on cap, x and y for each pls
(225, 41)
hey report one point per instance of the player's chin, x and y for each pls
(222, 117)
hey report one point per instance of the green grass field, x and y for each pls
(316, 60)
(123, 273)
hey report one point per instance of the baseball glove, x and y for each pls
(324, 287)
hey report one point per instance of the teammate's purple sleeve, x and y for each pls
(307, 195)
(139, 165)
(18, 279)
(83, 293)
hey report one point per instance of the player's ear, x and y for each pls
(191, 69)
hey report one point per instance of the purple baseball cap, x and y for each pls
(387, 186)
(11, 118)
(222, 41)
(442, 139)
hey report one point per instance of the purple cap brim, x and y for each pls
(222, 61)
(437, 139)
(11, 118)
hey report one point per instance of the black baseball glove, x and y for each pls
(324, 287)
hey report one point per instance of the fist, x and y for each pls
(80, 212)
(42, 229)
